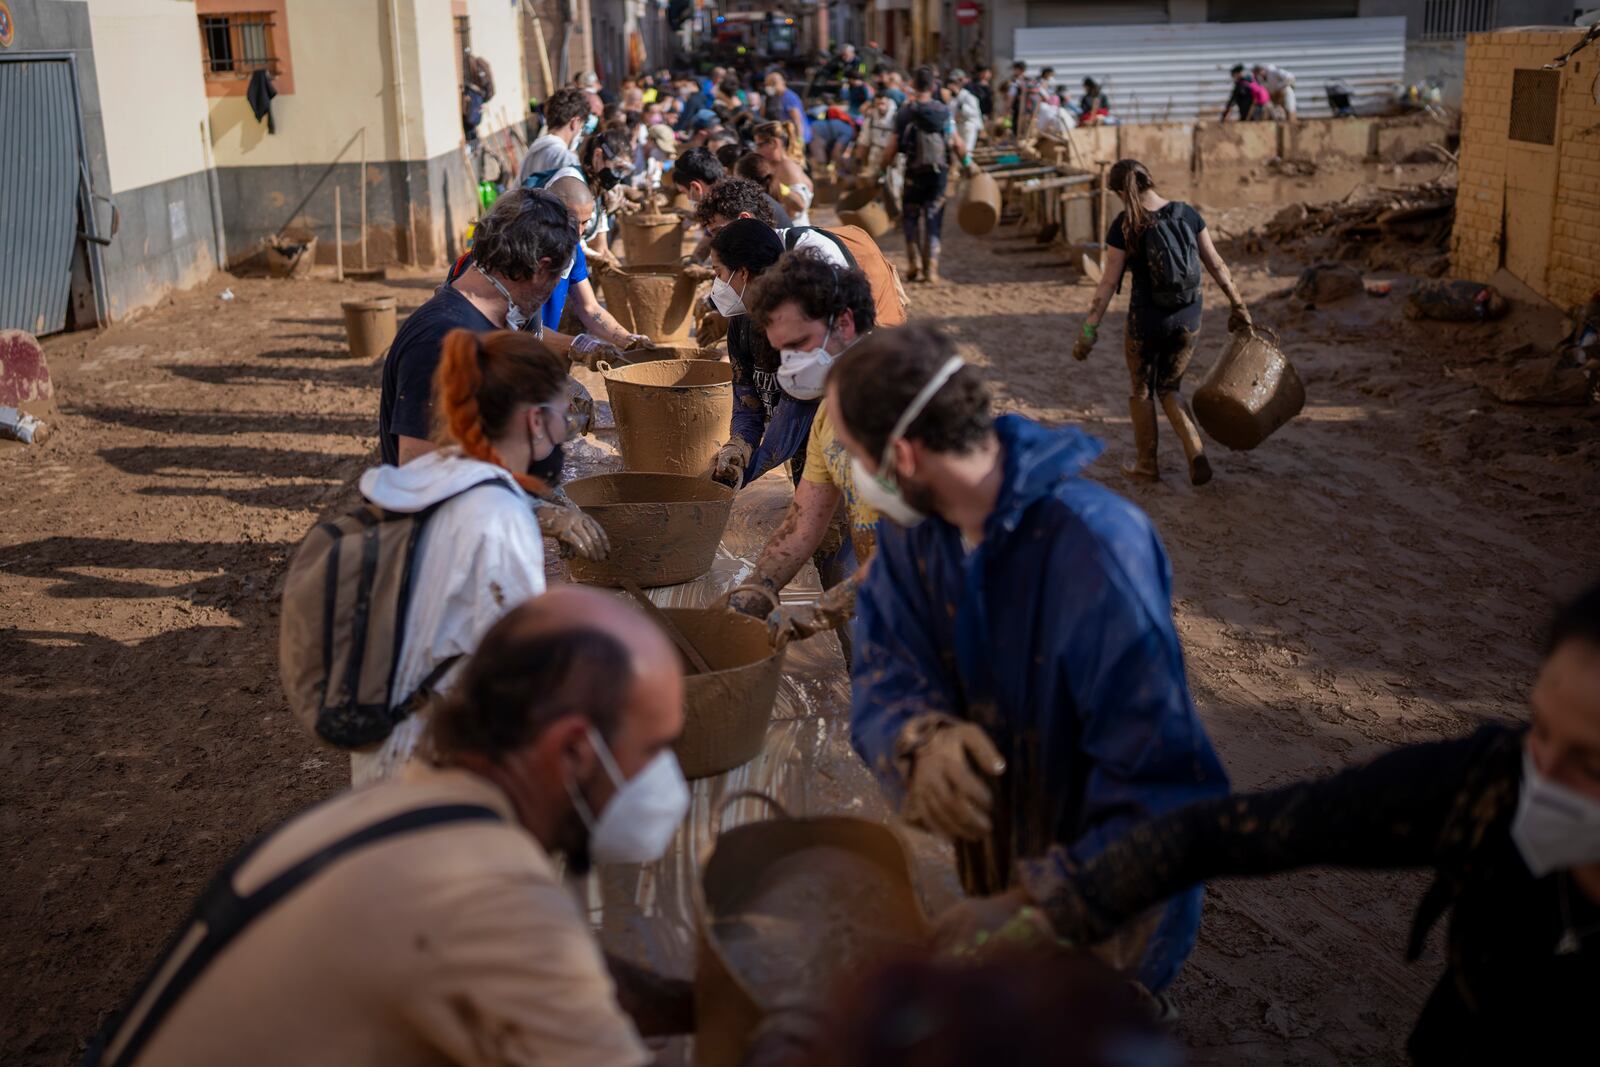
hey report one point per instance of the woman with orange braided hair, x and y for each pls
(500, 409)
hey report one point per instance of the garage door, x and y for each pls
(38, 194)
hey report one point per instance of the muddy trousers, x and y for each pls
(835, 560)
(922, 213)
(1157, 360)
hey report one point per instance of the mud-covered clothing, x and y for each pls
(1508, 991)
(828, 463)
(774, 424)
(1159, 341)
(1055, 635)
(405, 400)
(925, 178)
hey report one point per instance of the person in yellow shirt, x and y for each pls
(812, 311)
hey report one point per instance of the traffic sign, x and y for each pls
(968, 12)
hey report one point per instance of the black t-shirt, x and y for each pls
(985, 95)
(405, 405)
(929, 115)
(1116, 238)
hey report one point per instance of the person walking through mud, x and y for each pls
(1507, 818)
(1018, 682)
(502, 405)
(1163, 244)
(922, 130)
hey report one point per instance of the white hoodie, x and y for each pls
(481, 555)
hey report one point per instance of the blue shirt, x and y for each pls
(556, 303)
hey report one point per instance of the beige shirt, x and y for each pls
(455, 944)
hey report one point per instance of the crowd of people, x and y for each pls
(1017, 678)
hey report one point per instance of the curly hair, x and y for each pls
(524, 227)
(732, 197)
(877, 379)
(564, 105)
(481, 379)
(819, 289)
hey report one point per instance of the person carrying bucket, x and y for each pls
(1018, 683)
(1163, 244)
(812, 311)
(922, 131)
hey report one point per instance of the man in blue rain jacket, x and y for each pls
(1017, 682)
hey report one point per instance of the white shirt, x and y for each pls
(878, 129)
(1278, 79)
(821, 244)
(481, 555)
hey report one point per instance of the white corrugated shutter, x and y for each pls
(1179, 71)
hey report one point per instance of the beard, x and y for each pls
(572, 841)
(918, 496)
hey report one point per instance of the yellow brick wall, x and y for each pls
(1574, 266)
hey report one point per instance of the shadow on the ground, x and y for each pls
(223, 423)
(350, 375)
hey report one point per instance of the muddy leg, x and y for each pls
(1142, 412)
(1194, 448)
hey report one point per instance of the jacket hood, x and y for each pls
(1037, 459)
(429, 479)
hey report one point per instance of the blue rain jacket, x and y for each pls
(1056, 636)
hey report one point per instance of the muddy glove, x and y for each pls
(831, 611)
(580, 409)
(1086, 340)
(709, 329)
(636, 342)
(578, 533)
(1239, 319)
(948, 793)
(589, 350)
(698, 272)
(729, 465)
(978, 923)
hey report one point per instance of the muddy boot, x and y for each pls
(1188, 436)
(930, 272)
(913, 263)
(1144, 467)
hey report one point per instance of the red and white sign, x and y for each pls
(968, 13)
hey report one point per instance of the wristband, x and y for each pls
(783, 190)
(1090, 331)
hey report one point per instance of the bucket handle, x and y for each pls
(745, 794)
(754, 587)
(602, 366)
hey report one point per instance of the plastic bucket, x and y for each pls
(864, 208)
(1250, 392)
(369, 325)
(651, 239)
(979, 212)
(672, 414)
(657, 301)
(793, 905)
(664, 528)
(660, 352)
(727, 710)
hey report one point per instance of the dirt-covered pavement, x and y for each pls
(1375, 574)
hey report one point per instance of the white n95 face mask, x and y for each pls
(638, 822)
(516, 318)
(803, 373)
(880, 491)
(1555, 827)
(726, 299)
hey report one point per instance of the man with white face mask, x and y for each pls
(423, 920)
(1507, 818)
(1018, 684)
(811, 312)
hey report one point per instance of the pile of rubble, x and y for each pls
(1388, 229)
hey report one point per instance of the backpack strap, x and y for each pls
(226, 915)
(791, 240)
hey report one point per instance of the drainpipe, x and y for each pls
(214, 187)
(399, 97)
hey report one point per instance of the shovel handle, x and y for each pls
(745, 794)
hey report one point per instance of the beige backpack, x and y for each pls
(345, 602)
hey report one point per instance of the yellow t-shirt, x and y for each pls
(828, 463)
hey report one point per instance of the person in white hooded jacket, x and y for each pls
(502, 409)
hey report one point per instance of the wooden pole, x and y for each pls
(338, 233)
(363, 198)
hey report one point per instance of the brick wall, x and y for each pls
(1573, 271)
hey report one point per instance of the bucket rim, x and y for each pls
(762, 663)
(721, 494)
(618, 374)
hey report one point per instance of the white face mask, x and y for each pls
(727, 300)
(803, 373)
(880, 491)
(516, 318)
(638, 823)
(1555, 828)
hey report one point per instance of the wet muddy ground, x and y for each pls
(1377, 573)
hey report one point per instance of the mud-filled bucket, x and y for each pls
(686, 351)
(369, 326)
(672, 414)
(725, 710)
(651, 239)
(1250, 392)
(657, 301)
(979, 212)
(864, 208)
(793, 906)
(663, 528)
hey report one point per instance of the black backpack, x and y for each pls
(1171, 259)
(929, 151)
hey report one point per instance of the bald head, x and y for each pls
(572, 191)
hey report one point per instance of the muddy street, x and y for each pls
(1376, 574)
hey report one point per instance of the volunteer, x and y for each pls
(768, 427)
(1095, 107)
(740, 198)
(1507, 818)
(872, 152)
(1018, 682)
(567, 118)
(968, 115)
(607, 165)
(1279, 84)
(572, 191)
(812, 311)
(920, 130)
(1163, 313)
(432, 926)
(777, 143)
(1248, 97)
(782, 105)
(503, 411)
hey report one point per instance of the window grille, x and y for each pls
(1449, 20)
(237, 45)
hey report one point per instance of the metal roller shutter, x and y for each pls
(38, 194)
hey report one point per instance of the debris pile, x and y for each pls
(1392, 229)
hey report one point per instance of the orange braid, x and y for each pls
(456, 385)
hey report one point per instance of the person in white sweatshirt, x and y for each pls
(502, 405)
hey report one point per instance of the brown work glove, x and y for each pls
(709, 329)
(697, 272)
(1239, 319)
(831, 611)
(951, 760)
(600, 263)
(729, 465)
(579, 534)
(580, 408)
